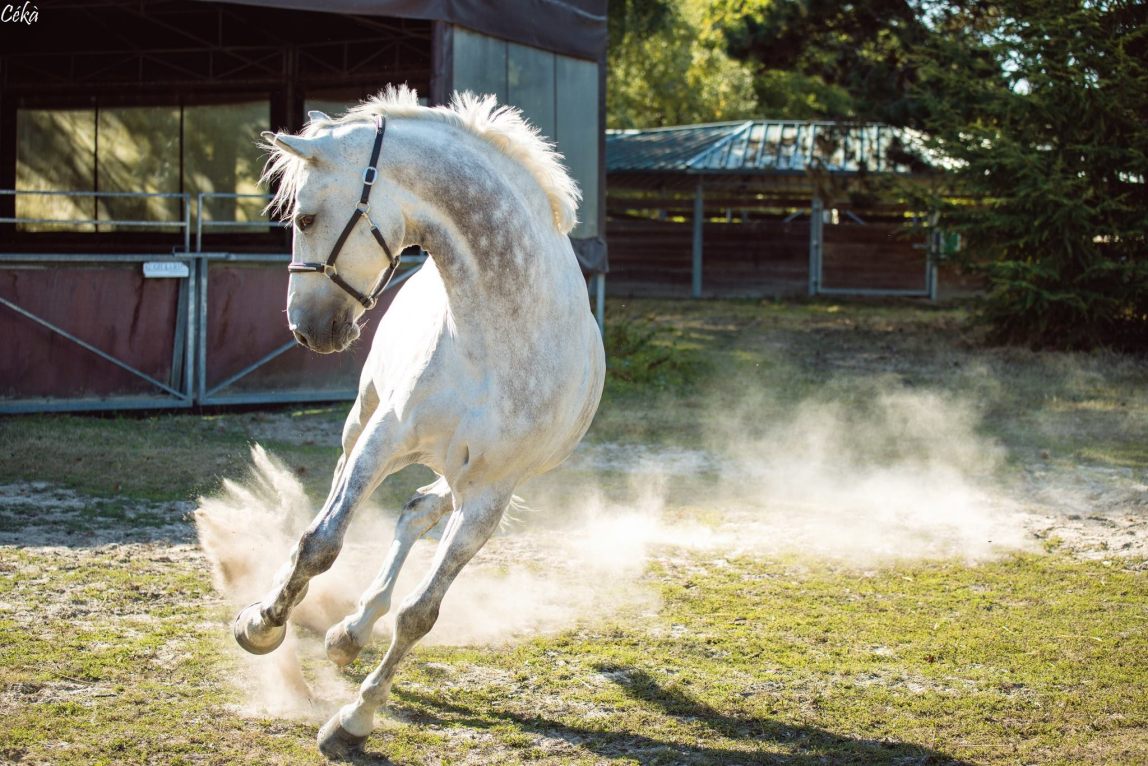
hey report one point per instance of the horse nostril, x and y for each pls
(301, 338)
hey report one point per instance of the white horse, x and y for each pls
(488, 367)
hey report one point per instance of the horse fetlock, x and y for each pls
(254, 633)
(316, 553)
(342, 645)
(416, 618)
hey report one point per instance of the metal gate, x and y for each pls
(894, 248)
(215, 318)
(55, 357)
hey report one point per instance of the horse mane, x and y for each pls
(503, 127)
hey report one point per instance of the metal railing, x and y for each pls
(183, 223)
(203, 223)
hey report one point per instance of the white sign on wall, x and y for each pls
(165, 269)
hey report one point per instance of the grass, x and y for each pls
(118, 654)
(744, 663)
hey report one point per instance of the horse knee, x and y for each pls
(317, 551)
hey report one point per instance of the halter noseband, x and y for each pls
(362, 209)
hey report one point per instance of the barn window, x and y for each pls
(55, 149)
(137, 150)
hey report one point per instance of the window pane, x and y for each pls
(55, 151)
(139, 152)
(220, 157)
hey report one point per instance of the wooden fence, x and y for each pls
(761, 258)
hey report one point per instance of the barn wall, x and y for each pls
(876, 256)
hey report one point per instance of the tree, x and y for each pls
(664, 69)
(1041, 109)
(821, 58)
(1038, 109)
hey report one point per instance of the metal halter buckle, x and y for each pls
(329, 269)
(370, 175)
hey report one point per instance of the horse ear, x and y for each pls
(316, 116)
(303, 148)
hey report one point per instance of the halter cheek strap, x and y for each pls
(362, 210)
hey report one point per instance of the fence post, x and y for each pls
(815, 235)
(699, 222)
(932, 254)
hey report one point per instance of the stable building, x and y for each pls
(136, 266)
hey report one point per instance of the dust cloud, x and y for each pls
(523, 583)
(885, 475)
(863, 480)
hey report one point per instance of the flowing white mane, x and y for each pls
(501, 126)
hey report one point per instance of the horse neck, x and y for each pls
(480, 214)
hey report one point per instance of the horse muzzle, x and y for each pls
(326, 337)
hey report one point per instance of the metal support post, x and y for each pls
(816, 222)
(600, 301)
(699, 225)
(933, 254)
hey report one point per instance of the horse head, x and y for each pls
(347, 233)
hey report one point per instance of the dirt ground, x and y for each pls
(1093, 512)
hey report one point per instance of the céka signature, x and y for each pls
(26, 13)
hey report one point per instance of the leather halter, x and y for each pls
(362, 210)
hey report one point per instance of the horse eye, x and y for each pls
(304, 221)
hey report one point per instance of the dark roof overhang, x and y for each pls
(571, 27)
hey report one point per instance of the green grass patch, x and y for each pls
(745, 662)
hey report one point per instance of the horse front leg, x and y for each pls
(347, 638)
(261, 627)
(470, 526)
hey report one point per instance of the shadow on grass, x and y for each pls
(793, 744)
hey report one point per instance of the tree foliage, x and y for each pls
(667, 68)
(1039, 111)
(1042, 107)
(821, 58)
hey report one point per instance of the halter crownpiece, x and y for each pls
(362, 210)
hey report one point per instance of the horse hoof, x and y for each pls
(254, 635)
(337, 743)
(342, 648)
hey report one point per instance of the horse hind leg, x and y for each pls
(261, 627)
(347, 638)
(470, 526)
